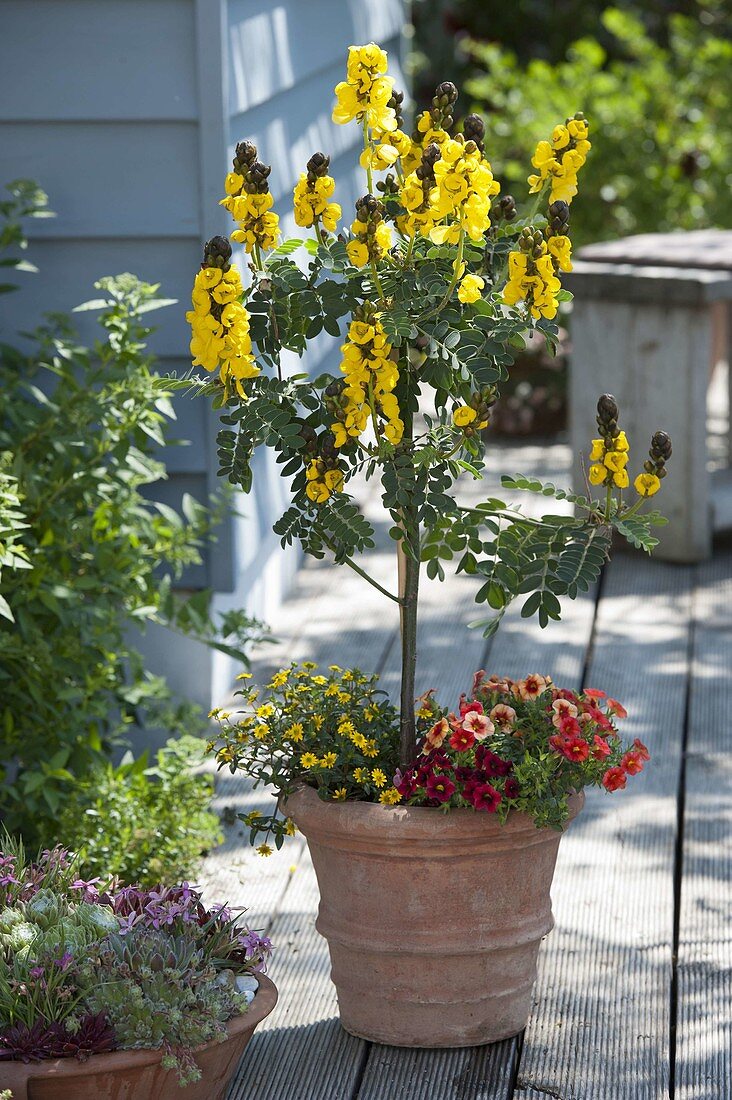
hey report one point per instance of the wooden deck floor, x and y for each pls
(633, 1000)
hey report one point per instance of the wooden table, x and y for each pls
(650, 320)
(633, 996)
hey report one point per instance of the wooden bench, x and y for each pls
(651, 318)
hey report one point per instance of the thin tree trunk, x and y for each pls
(409, 594)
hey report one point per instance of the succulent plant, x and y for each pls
(92, 1034)
(158, 989)
(82, 973)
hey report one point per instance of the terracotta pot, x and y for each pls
(138, 1074)
(433, 920)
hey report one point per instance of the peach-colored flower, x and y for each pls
(479, 725)
(532, 687)
(500, 683)
(435, 736)
(563, 709)
(478, 678)
(503, 715)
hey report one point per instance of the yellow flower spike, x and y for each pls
(597, 474)
(647, 485)
(560, 247)
(463, 415)
(470, 288)
(620, 443)
(616, 460)
(620, 479)
(558, 161)
(365, 93)
(598, 450)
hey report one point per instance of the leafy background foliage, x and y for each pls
(654, 79)
(87, 553)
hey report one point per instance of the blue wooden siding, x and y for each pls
(127, 113)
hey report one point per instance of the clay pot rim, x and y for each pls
(264, 1001)
(364, 820)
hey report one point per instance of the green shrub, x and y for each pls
(145, 824)
(659, 118)
(79, 428)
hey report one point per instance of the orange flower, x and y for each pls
(435, 736)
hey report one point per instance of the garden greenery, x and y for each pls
(87, 967)
(662, 145)
(143, 821)
(436, 283)
(84, 557)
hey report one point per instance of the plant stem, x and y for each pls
(367, 149)
(408, 566)
(366, 576)
(409, 595)
(408, 257)
(453, 283)
(377, 281)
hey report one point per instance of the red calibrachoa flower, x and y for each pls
(521, 745)
(616, 708)
(632, 763)
(600, 748)
(440, 788)
(614, 779)
(485, 797)
(462, 740)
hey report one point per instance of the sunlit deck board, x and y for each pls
(704, 1018)
(600, 1026)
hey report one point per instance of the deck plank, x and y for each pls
(600, 1028)
(704, 1024)
(300, 1050)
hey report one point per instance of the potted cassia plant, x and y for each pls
(120, 991)
(433, 833)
